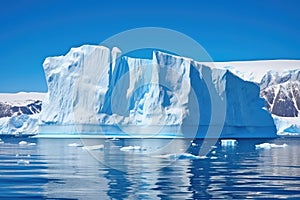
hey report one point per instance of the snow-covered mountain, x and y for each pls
(282, 93)
(20, 103)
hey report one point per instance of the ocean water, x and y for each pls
(149, 169)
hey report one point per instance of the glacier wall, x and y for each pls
(93, 89)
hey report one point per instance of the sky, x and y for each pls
(31, 30)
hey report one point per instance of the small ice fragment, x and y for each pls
(194, 144)
(213, 152)
(186, 156)
(213, 158)
(23, 162)
(1, 142)
(74, 145)
(269, 146)
(228, 142)
(31, 144)
(133, 148)
(93, 147)
(22, 143)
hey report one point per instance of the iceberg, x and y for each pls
(287, 125)
(228, 142)
(131, 148)
(270, 145)
(19, 124)
(95, 90)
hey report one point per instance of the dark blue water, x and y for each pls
(152, 169)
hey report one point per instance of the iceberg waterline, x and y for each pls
(92, 90)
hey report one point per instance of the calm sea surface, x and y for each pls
(148, 169)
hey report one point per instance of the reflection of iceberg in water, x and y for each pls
(236, 172)
(70, 170)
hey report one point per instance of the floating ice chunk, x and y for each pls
(23, 143)
(1, 142)
(131, 148)
(114, 139)
(269, 146)
(194, 144)
(93, 147)
(185, 156)
(26, 143)
(74, 145)
(213, 157)
(228, 142)
(23, 162)
(28, 155)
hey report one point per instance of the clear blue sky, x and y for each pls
(31, 30)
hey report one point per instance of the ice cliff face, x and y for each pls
(91, 85)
